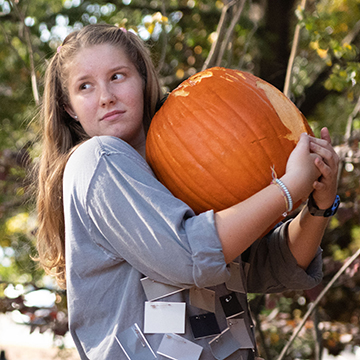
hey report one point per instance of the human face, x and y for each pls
(107, 94)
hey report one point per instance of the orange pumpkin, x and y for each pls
(217, 136)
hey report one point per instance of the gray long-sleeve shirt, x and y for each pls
(121, 224)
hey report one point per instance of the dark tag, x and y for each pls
(204, 325)
(231, 305)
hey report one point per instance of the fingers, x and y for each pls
(325, 152)
(327, 162)
(319, 186)
(324, 168)
(323, 148)
(324, 133)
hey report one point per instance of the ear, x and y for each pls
(70, 111)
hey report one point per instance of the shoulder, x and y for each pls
(99, 146)
(89, 153)
(98, 153)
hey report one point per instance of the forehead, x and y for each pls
(98, 58)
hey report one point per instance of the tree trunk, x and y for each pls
(276, 37)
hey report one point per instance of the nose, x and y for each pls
(107, 97)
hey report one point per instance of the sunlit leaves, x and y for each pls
(343, 77)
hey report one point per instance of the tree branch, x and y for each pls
(349, 124)
(164, 40)
(293, 54)
(229, 32)
(31, 53)
(316, 302)
(13, 48)
(219, 31)
(312, 92)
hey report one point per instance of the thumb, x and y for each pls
(304, 141)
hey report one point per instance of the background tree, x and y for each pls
(186, 36)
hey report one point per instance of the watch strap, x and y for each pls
(315, 211)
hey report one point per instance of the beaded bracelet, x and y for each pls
(284, 191)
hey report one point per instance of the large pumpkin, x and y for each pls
(217, 136)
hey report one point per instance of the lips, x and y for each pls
(112, 115)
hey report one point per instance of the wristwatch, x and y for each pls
(315, 211)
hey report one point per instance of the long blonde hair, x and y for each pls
(61, 134)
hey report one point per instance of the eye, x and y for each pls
(118, 76)
(84, 86)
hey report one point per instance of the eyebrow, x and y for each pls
(116, 68)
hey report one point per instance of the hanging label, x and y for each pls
(224, 345)
(155, 290)
(235, 282)
(175, 347)
(133, 343)
(164, 317)
(231, 305)
(240, 333)
(202, 299)
(204, 325)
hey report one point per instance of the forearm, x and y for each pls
(242, 224)
(304, 236)
(239, 226)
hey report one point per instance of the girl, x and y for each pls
(146, 278)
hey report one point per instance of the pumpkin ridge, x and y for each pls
(276, 136)
(186, 179)
(226, 148)
(175, 179)
(255, 169)
(203, 188)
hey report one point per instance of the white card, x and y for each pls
(164, 317)
(175, 347)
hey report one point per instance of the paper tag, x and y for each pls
(202, 298)
(224, 345)
(176, 347)
(235, 282)
(240, 333)
(231, 305)
(164, 317)
(204, 325)
(155, 290)
(133, 343)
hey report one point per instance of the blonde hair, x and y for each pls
(61, 134)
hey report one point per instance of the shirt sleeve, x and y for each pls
(273, 268)
(133, 217)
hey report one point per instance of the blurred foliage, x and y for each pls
(181, 34)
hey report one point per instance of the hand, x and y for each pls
(325, 187)
(301, 170)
